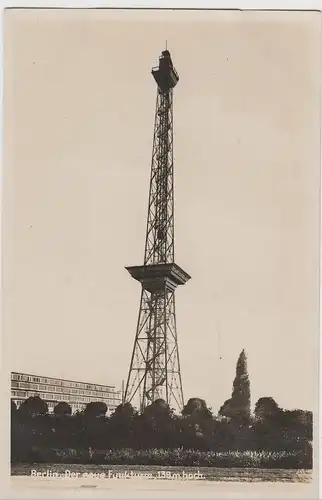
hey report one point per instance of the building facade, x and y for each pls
(55, 390)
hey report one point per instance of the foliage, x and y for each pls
(175, 457)
(158, 428)
(266, 408)
(62, 408)
(196, 407)
(33, 406)
(238, 406)
(124, 410)
(157, 409)
(95, 409)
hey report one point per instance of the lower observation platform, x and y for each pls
(155, 277)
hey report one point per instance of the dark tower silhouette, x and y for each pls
(155, 368)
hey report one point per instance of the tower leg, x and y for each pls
(155, 366)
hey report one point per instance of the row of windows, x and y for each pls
(62, 397)
(64, 383)
(65, 390)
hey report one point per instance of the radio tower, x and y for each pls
(155, 368)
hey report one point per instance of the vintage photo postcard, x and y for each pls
(160, 243)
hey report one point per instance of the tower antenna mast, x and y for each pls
(154, 371)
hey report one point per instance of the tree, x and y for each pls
(196, 407)
(158, 409)
(33, 406)
(62, 409)
(95, 409)
(124, 411)
(238, 406)
(266, 408)
(278, 429)
(121, 430)
(298, 425)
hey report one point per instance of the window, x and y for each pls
(24, 385)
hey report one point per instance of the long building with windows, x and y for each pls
(54, 390)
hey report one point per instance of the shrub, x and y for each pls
(177, 457)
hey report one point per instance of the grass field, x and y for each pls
(297, 459)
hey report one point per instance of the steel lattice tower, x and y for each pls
(155, 368)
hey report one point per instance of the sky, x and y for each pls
(79, 103)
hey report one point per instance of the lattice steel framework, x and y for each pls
(155, 367)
